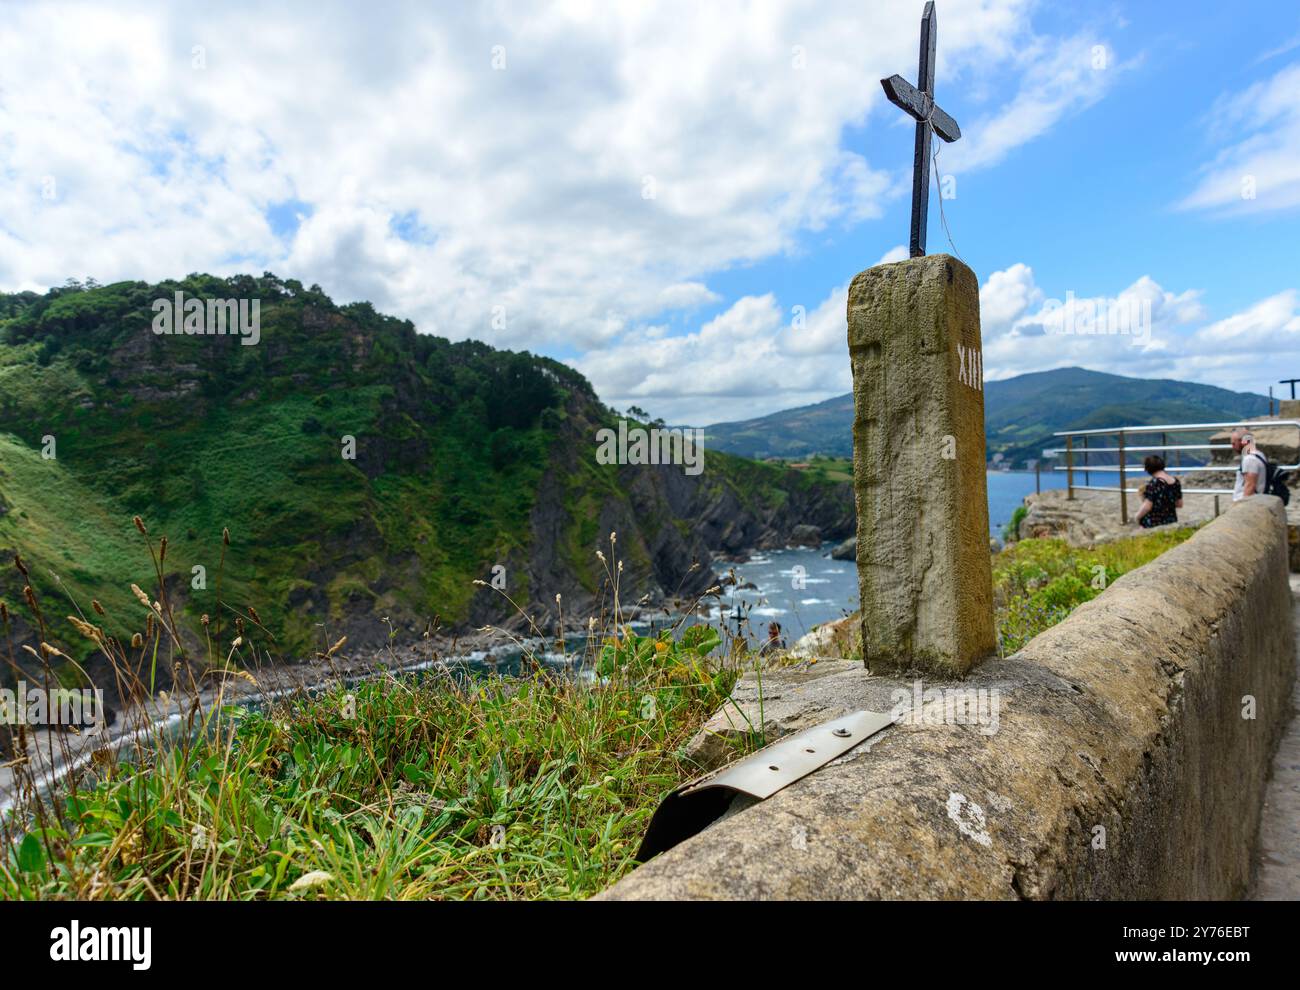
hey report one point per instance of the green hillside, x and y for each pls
(1020, 414)
(466, 457)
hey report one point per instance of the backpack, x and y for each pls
(1274, 479)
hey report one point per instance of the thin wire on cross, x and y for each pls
(934, 158)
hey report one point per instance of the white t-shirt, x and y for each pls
(1251, 463)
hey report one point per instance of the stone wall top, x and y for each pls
(1123, 724)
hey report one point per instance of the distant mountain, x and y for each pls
(1020, 414)
(824, 428)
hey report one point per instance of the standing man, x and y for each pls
(1252, 470)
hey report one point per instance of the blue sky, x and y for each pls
(673, 197)
(1097, 197)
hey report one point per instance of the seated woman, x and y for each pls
(1161, 496)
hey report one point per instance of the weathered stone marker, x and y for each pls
(924, 572)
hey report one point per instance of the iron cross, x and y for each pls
(920, 104)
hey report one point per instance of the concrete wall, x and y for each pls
(1127, 716)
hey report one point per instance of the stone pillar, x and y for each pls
(918, 467)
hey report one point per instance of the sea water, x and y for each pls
(795, 587)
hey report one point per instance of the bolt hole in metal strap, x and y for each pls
(702, 802)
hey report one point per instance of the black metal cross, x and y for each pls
(1291, 382)
(920, 104)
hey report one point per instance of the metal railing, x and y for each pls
(1121, 449)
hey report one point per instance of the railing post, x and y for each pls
(1123, 492)
(1069, 468)
(1038, 479)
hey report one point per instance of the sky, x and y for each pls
(673, 197)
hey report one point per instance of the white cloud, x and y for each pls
(894, 254)
(1060, 77)
(753, 358)
(623, 155)
(1005, 297)
(1129, 333)
(1258, 169)
(1022, 332)
(1271, 326)
(757, 356)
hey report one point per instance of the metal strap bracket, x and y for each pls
(699, 803)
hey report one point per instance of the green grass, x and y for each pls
(398, 788)
(1038, 582)
(1011, 531)
(75, 549)
(829, 469)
